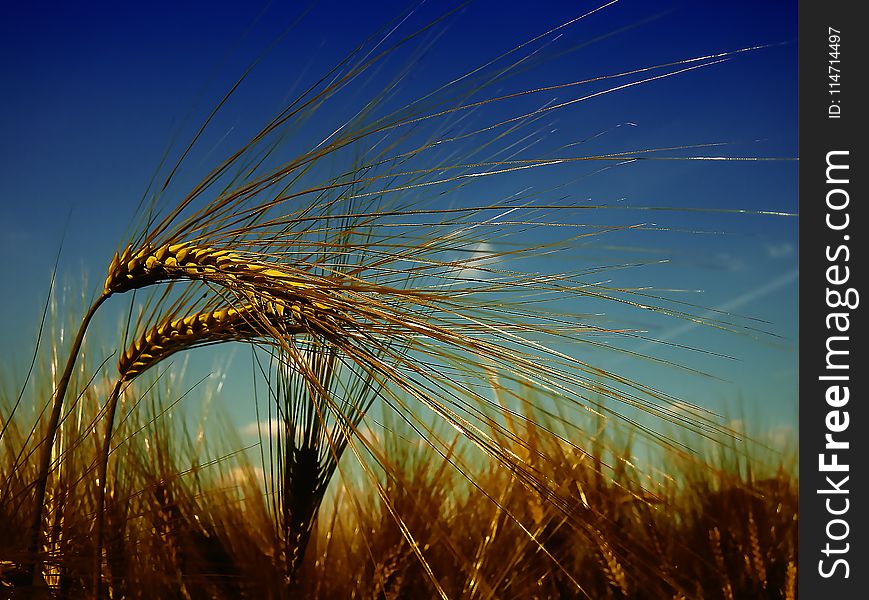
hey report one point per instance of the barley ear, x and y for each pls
(224, 324)
(759, 567)
(612, 567)
(131, 269)
(718, 553)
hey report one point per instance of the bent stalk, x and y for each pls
(35, 536)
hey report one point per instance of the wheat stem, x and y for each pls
(112, 404)
(35, 533)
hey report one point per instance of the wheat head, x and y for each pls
(224, 324)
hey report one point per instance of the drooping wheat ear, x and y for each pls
(127, 271)
(221, 325)
(131, 269)
(278, 292)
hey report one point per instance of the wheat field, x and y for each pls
(406, 309)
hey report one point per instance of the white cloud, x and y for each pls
(737, 425)
(781, 250)
(266, 428)
(782, 437)
(730, 262)
(243, 474)
(475, 264)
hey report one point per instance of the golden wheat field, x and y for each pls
(403, 301)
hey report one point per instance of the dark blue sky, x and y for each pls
(92, 95)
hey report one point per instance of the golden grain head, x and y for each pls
(224, 324)
(134, 269)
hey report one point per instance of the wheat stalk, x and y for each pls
(138, 270)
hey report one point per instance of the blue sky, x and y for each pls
(92, 96)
